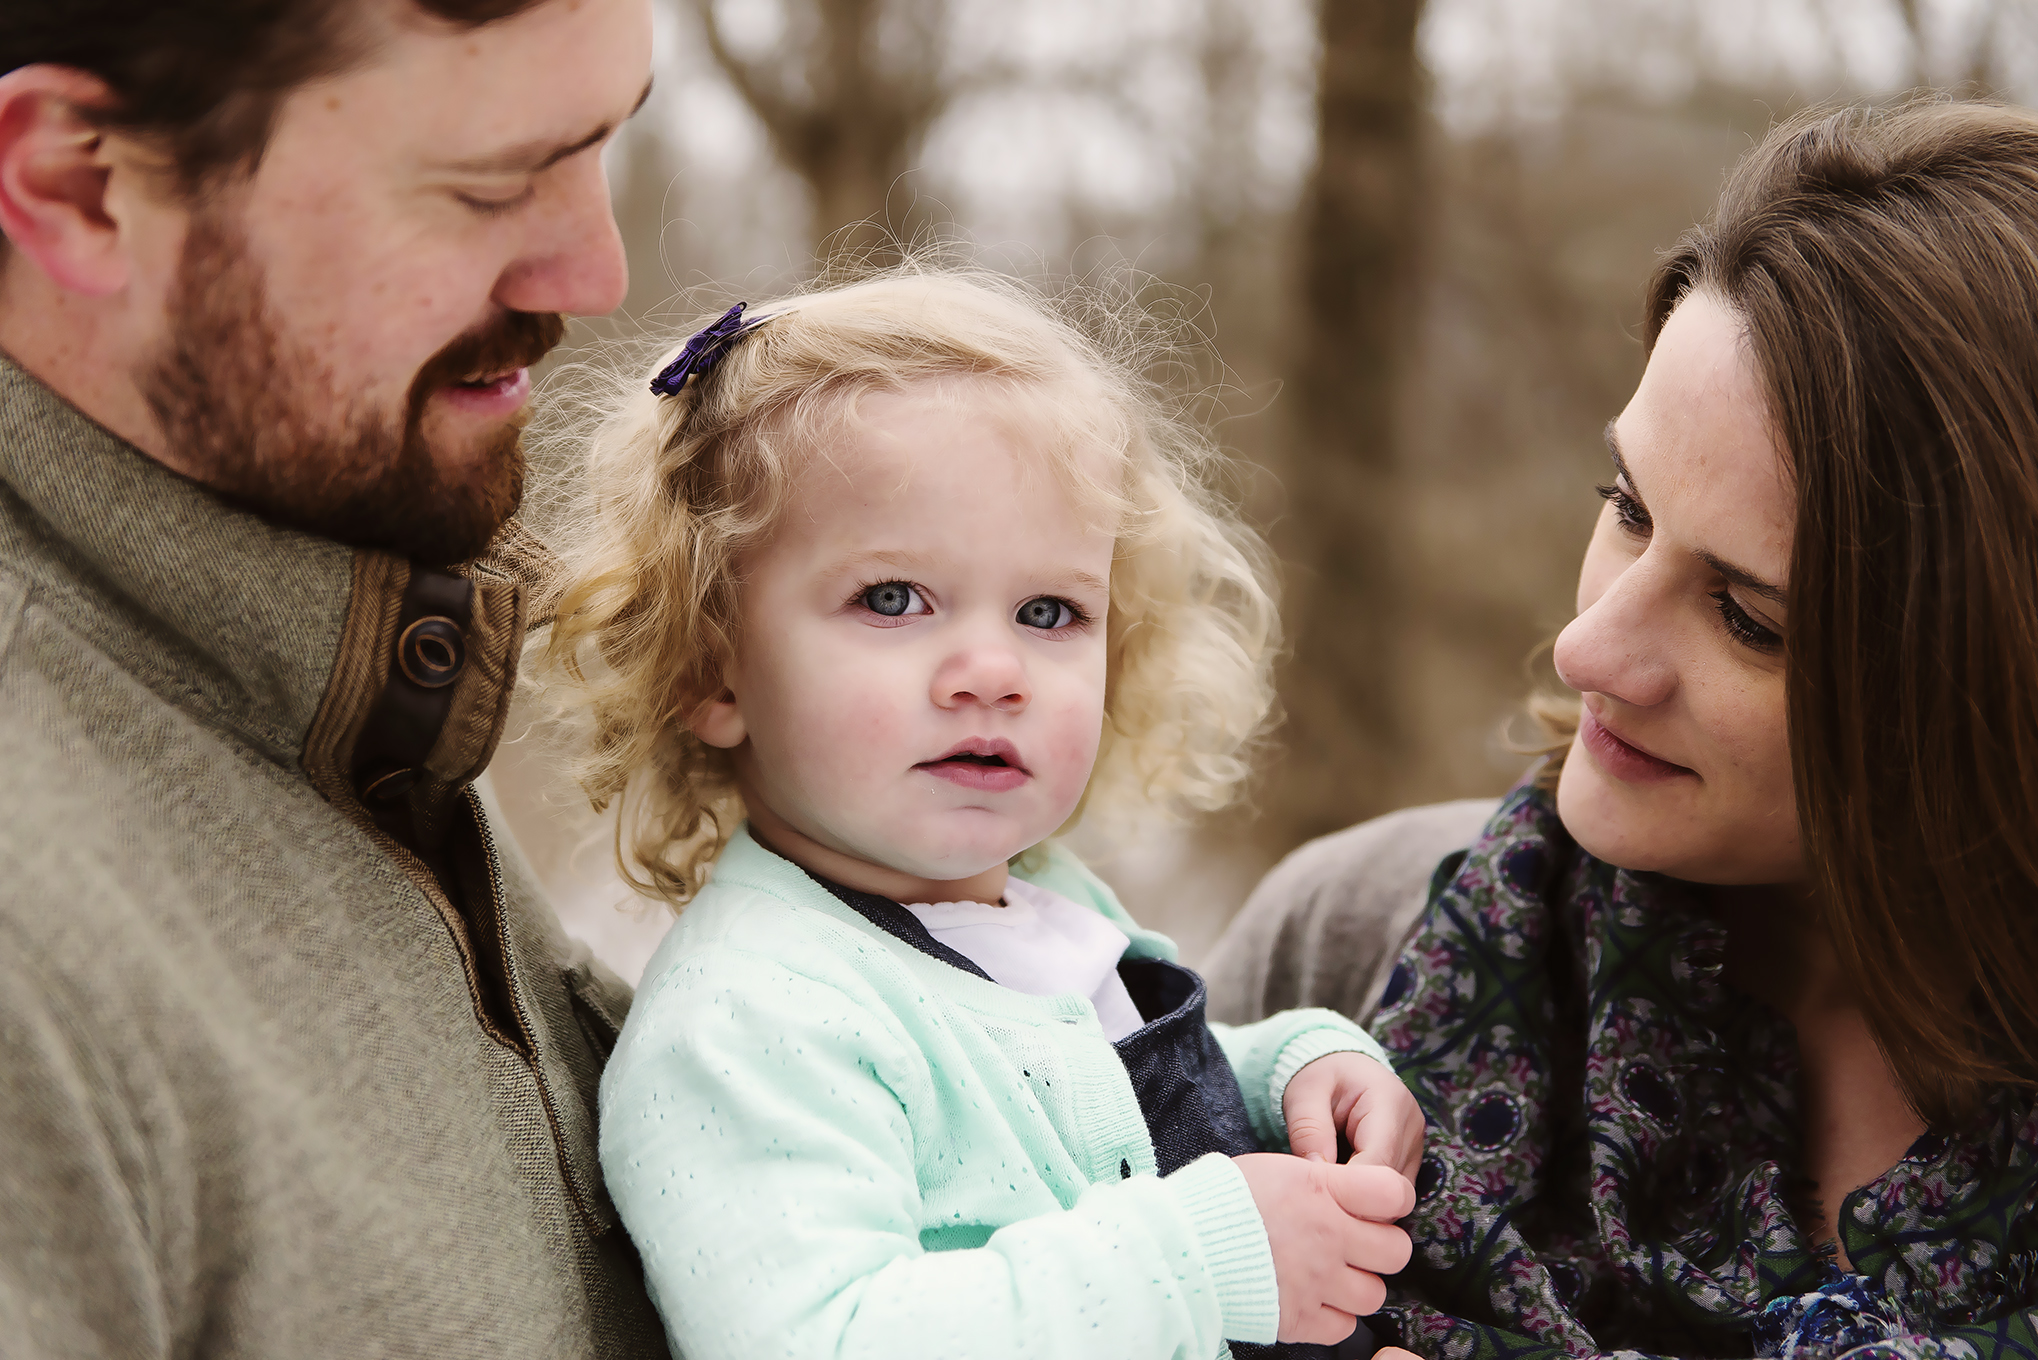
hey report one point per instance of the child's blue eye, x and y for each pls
(1046, 612)
(893, 599)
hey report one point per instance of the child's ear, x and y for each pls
(719, 721)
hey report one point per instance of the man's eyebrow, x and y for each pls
(1745, 579)
(530, 158)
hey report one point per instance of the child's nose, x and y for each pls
(992, 677)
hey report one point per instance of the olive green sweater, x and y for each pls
(273, 1086)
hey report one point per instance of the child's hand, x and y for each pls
(1364, 1099)
(1333, 1236)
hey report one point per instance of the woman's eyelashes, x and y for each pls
(1632, 514)
(1741, 625)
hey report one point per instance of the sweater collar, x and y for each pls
(288, 639)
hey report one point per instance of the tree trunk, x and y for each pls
(1355, 328)
(845, 112)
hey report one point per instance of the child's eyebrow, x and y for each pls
(1085, 580)
(898, 558)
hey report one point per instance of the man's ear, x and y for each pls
(718, 721)
(54, 167)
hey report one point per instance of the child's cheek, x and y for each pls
(1072, 747)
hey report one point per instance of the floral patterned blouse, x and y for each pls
(1613, 1143)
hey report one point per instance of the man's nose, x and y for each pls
(573, 259)
(988, 676)
(1619, 645)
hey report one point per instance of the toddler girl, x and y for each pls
(881, 586)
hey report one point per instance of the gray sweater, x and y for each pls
(295, 1064)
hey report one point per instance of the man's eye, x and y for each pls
(893, 599)
(1046, 612)
(495, 205)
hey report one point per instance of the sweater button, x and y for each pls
(431, 652)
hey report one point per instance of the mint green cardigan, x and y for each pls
(826, 1143)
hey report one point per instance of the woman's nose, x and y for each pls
(1619, 644)
(991, 677)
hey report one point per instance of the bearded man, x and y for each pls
(296, 1063)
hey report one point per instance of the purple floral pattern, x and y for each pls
(1613, 1144)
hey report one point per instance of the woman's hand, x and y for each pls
(1364, 1099)
(1332, 1232)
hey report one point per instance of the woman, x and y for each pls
(1726, 1025)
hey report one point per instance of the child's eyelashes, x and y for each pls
(890, 604)
(893, 599)
(1049, 613)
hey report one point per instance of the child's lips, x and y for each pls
(970, 775)
(988, 763)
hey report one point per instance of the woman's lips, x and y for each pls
(498, 399)
(1623, 761)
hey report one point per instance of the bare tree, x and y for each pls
(1354, 325)
(846, 99)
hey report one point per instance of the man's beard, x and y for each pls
(253, 413)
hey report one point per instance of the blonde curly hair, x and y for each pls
(680, 489)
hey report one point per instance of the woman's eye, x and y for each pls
(1046, 612)
(1742, 627)
(1629, 511)
(893, 599)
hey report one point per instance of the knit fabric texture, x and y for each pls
(247, 1106)
(828, 1143)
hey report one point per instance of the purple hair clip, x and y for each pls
(704, 349)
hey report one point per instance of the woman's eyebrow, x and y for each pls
(1620, 464)
(1745, 579)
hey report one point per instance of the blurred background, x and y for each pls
(1409, 237)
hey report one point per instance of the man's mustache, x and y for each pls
(511, 341)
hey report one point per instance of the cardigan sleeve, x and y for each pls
(1267, 1054)
(771, 1187)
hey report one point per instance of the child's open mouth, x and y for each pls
(989, 764)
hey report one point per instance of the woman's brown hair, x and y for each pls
(1885, 263)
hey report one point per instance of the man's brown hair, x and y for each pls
(204, 77)
(1885, 264)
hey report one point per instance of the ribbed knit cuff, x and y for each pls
(1213, 1193)
(1306, 1047)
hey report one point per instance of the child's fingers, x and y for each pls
(1357, 1292)
(1378, 1248)
(1308, 1109)
(1377, 1192)
(1390, 1137)
(1312, 1133)
(1324, 1326)
(1394, 1353)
